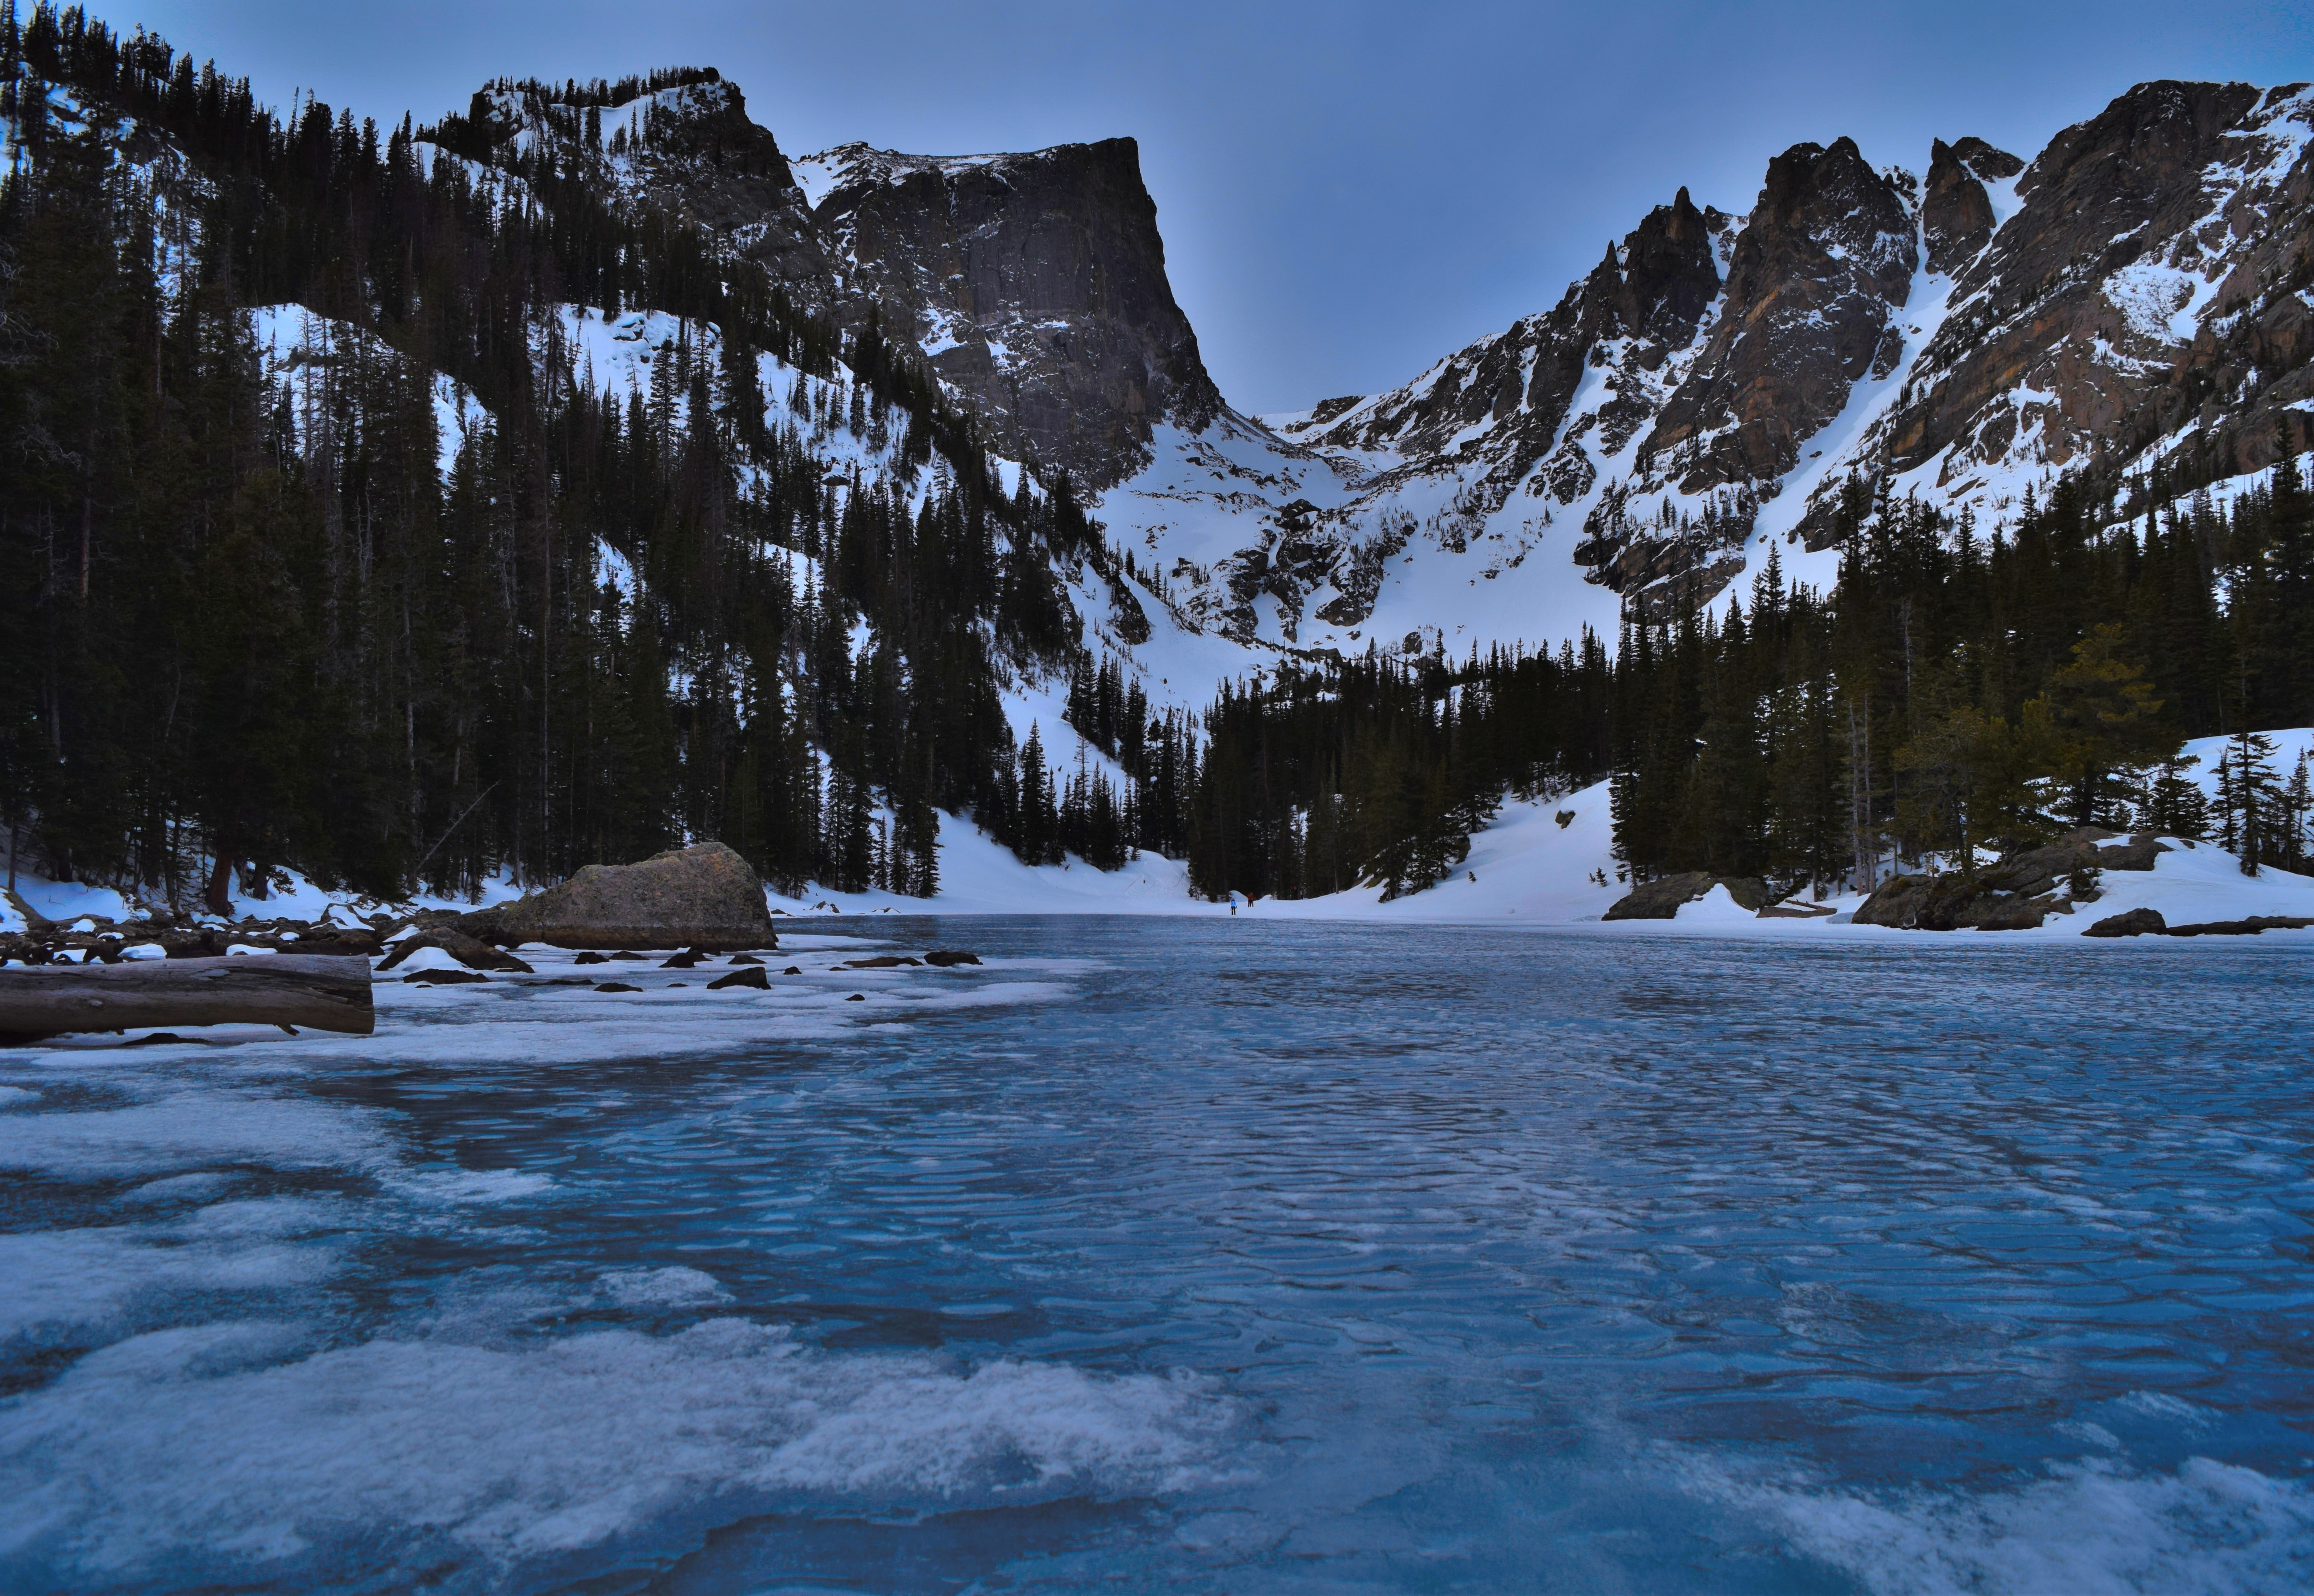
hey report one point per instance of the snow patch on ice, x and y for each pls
(191, 1132)
(203, 1440)
(2092, 1529)
(663, 1288)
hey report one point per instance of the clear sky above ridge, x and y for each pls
(1347, 191)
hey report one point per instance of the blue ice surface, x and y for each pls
(1211, 1254)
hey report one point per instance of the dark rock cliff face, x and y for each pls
(1955, 212)
(1037, 281)
(1828, 253)
(1668, 276)
(2093, 201)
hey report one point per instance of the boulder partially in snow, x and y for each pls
(2138, 853)
(472, 952)
(2250, 926)
(704, 897)
(1663, 897)
(1953, 902)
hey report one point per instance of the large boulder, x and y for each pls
(1666, 895)
(704, 897)
(2136, 854)
(2132, 922)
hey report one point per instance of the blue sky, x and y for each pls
(1347, 191)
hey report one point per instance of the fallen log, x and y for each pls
(324, 993)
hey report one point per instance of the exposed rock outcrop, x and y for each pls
(1664, 896)
(2014, 895)
(1956, 218)
(704, 897)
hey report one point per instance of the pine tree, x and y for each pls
(1037, 839)
(2174, 804)
(2102, 719)
(2294, 808)
(2247, 790)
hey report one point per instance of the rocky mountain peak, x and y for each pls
(1956, 216)
(1828, 252)
(2138, 302)
(1668, 274)
(1988, 163)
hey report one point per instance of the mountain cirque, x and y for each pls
(2135, 293)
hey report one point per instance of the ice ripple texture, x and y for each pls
(1205, 1256)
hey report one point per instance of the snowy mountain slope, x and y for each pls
(2143, 295)
(307, 351)
(1714, 383)
(1641, 432)
(1522, 489)
(2140, 292)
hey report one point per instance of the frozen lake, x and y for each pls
(1199, 1255)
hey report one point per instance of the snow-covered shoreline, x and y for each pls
(1530, 868)
(1527, 869)
(1544, 863)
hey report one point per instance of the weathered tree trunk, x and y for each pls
(325, 992)
(219, 896)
